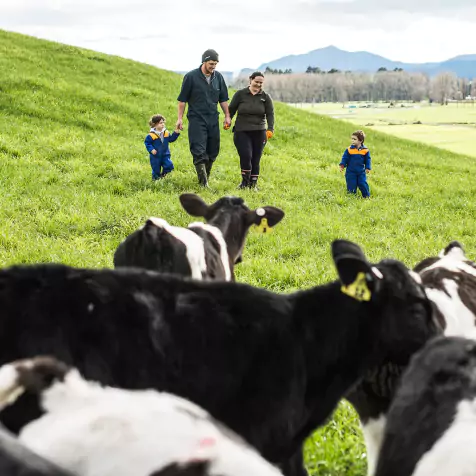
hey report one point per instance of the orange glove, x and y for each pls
(269, 134)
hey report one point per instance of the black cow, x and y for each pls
(203, 250)
(270, 366)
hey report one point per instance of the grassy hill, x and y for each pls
(450, 127)
(75, 180)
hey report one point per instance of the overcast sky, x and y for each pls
(173, 35)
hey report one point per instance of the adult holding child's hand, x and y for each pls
(202, 89)
(254, 126)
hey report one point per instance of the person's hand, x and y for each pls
(341, 167)
(227, 122)
(226, 126)
(269, 134)
(177, 131)
(153, 152)
(179, 125)
(367, 171)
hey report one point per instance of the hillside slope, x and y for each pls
(75, 180)
(71, 148)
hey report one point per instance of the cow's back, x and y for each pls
(138, 329)
(153, 248)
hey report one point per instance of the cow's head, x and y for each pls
(450, 281)
(233, 218)
(446, 365)
(453, 252)
(395, 296)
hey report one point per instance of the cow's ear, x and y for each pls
(454, 248)
(193, 204)
(156, 222)
(265, 217)
(358, 277)
(150, 228)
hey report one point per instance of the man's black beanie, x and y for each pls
(209, 55)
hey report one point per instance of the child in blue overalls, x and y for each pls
(157, 144)
(356, 160)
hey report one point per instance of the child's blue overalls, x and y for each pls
(356, 160)
(161, 162)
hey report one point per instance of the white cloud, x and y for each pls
(246, 33)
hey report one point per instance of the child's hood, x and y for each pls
(363, 146)
(163, 133)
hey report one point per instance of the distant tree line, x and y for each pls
(269, 70)
(336, 86)
(317, 70)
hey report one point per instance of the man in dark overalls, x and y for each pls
(203, 88)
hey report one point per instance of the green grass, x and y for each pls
(75, 180)
(451, 127)
(459, 139)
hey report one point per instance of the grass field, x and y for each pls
(451, 127)
(75, 180)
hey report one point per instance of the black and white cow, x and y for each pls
(450, 283)
(17, 460)
(431, 424)
(272, 367)
(203, 250)
(93, 430)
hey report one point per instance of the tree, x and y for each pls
(381, 69)
(339, 86)
(444, 87)
(419, 86)
(313, 70)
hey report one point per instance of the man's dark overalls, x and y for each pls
(202, 97)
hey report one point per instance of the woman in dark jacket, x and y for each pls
(254, 125)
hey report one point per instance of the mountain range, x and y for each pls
(333, 57)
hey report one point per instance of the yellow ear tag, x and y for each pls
(263, 227)
(358, 289)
